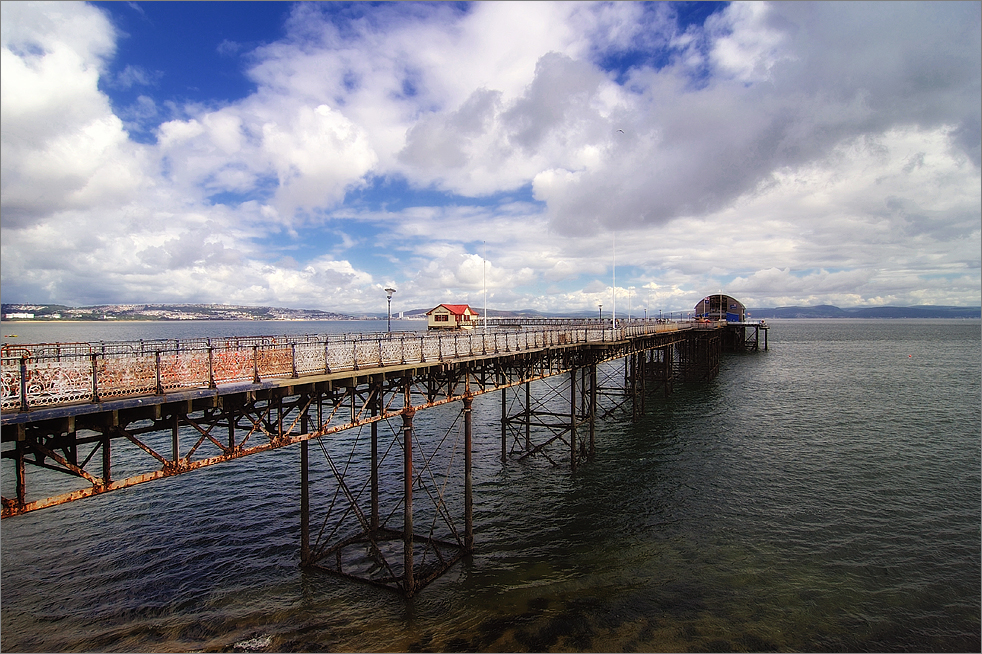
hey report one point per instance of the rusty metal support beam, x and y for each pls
(21, 474)
(409, 581)
(528, 416)
(468, 478)
(106, 459)
(376, 408)
(305, 559)
(593, 407)
(572, 419)
(504, 424)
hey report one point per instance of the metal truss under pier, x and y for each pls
(407, 516)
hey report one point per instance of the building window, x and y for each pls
(441, 317)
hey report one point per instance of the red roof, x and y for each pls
(455, 309)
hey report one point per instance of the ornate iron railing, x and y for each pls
(53, 374)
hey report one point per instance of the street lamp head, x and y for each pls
(389, 292)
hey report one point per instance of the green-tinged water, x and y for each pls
(821, 496)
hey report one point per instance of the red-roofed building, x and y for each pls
(451, 316)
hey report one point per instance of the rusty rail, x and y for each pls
(56, 374)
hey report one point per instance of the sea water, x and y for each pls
(822, 496)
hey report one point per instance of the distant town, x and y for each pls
(54, 312)
(165, 312)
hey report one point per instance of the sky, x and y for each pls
(549, 156)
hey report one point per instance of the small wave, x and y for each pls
(256, 644)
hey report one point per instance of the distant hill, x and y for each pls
(820, 311)
(162, 312)
(829, 311)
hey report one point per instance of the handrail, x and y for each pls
(53, 374)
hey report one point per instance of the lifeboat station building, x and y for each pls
(739, 334)
(451, 316)
(721, 307)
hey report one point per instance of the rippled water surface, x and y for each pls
(822, 496)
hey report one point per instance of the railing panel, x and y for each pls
(367, 353)
(391, 351)
(274, 361)
(10, 384)
(119, 375)
(232, 365)
(431, 348)
(413, 348)
(50, 382)
(182, 370)
(309, 357)
(341, 355)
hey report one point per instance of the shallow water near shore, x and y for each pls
(822, 496)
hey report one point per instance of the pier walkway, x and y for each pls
(155, 409)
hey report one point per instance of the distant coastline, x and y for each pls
(36, 312)
(829, 311)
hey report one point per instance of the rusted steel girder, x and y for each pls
(266, 416)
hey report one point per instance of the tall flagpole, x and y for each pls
(485, 285)
(613, 284)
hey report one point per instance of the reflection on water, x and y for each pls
(820, 496)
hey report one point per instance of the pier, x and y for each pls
(155, 409)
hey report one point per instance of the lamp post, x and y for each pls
(601, 307)
(388, 297)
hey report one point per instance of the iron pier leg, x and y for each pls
(279, 417)
(468, 493)
(230, 412)
(21, 475)
(528, 416)
(106, 460)
(374, 519)
(409, 581)
(304, 506)
(593, 406)
(175, 444)
(572, 419)
(669, 370)
(504, 425)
